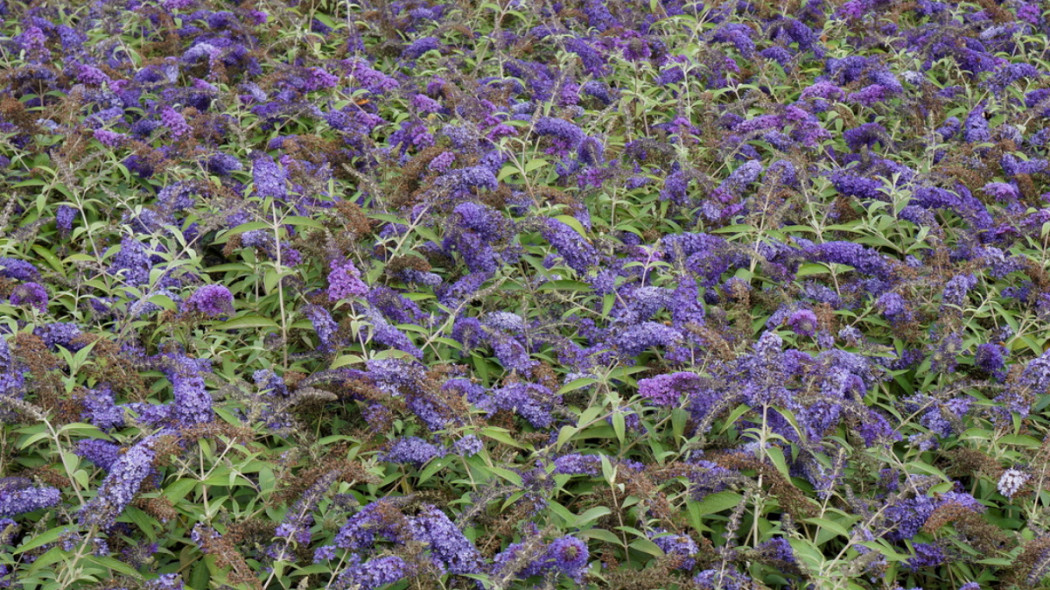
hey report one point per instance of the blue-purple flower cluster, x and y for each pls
(585, 293)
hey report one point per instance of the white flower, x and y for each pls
(912, 77)
(1011, 481)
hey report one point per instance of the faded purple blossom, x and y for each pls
(442, 162)
(722, 579)
(777, 549)
(224, 164)
(682, 546)
(956, 289)
(975, 129)
(531, 401)
(568, 134)
(636, 339)
(295, 526)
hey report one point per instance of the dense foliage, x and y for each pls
(610, 294)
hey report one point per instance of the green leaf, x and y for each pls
(591, 514)
(565, 435)
(718, 501)
(40, 433)
(828, 524)
(240, 229)
(1022, 440)
(302, 221)
(500, 435)
(564, 514)
(619, 426)
(589, 415)
(270, 279)
(179, 489)
(679, 420)
(433, 467)
(810, 269)
(565, 285)
(113, 564)
(646, 546)
(884, 549)
(50, 257)
(930, 469)
(506, 474)
(734, 416)
(164, 302)
(346, 360)
(574, 223)
(600, 535)
(248, 322)
(808, 553)
(998, 561)
(48, 536)
(577, 384)
(506, 172)
(608, 470)
(776, 455)
(230, 267)
(319, 568)
(201, 576)
(625, 372)
(536, 164)
(53, 555)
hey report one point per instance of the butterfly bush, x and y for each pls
(582, 294)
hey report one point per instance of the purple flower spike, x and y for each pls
(33, 294)
(449, 548)
(803, 322)
(211, 300)
(174, 121)
(18, 269)
(666, 390)
(413, 450)
(18, 496)
(166, 582)
(120, 486)
(345, 281)
(570, 555)
(269, 178)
